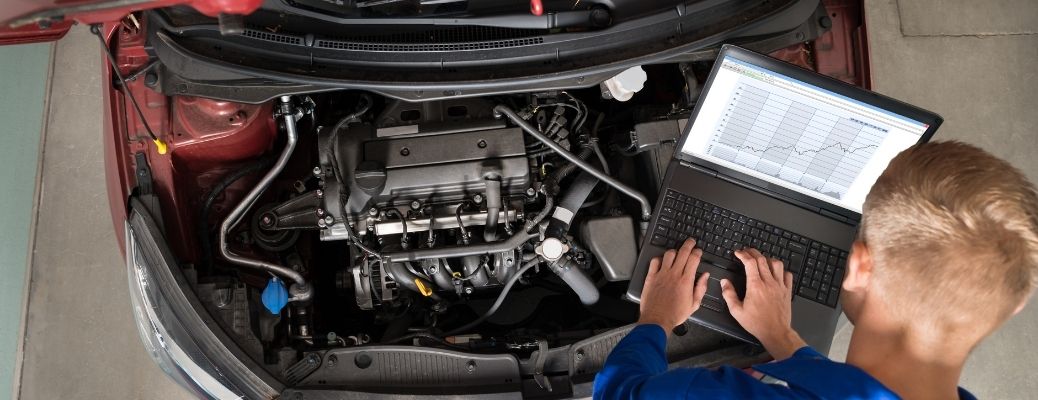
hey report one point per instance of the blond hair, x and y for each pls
(953, 232)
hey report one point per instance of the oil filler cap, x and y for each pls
(275, 296)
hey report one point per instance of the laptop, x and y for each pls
(777, 158)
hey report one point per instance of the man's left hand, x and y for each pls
(668, 297)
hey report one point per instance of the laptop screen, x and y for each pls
(796, 135)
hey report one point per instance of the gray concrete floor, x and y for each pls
(81, 343)
(80, 339)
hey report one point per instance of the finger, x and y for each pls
(762, 265)
(731, 297)
(668, 260)
(788, 279)
(750, 263)
(654, 268)
(700, 289)
(683, 253)
(692, 264)
(777, 271)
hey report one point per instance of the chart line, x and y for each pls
(845, 149)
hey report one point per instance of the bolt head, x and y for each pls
(530, 192)
(415, 204)
(328, 220)
(319, 193)
(405, 152)
(373, 211)
(321, 223)
(317, 171)
(482, 144)
(468, 290)
(320, 212)
(478, 198)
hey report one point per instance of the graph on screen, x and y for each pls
(773, 134)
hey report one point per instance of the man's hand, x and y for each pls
(668, 297)
(767, 310)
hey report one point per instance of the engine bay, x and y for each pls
(438, 224)
(349, 220)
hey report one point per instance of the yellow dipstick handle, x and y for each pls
(161, 146)
(424, 289)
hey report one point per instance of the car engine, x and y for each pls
(437, 210)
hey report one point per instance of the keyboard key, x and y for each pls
(668, 212)
(808, 292)
(659, 240)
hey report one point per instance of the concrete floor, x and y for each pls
(81, 343)
(80, 339)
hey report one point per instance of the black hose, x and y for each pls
(207, 204)
(570, 204)
(500, 298)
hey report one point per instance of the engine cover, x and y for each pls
(429, 167)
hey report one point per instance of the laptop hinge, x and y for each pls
(766, 192)
(836, 216)
(699, 168)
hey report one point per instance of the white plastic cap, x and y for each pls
(624, 85)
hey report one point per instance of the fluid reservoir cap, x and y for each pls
(624, 85)
(275, 296)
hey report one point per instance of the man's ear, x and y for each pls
(859, 268)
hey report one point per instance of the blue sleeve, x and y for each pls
(637, 369)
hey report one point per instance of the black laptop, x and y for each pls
(777, 158)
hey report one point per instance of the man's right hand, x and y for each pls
(767, 310)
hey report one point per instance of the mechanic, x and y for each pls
(947, 252)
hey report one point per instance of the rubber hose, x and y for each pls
(575, 278)
(569, 205)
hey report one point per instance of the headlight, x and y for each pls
(174, 333)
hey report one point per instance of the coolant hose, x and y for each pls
(620, 186)
(577, 280)
(567, 208)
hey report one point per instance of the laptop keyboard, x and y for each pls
(817, 268)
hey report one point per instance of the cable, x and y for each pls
(500, 298)
(159, 144)
(343, 193)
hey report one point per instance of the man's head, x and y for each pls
(948, 242)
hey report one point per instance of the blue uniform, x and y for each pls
(637, 369)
